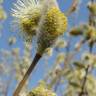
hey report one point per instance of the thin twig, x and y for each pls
(84, 81)
(90, 50)
(27, 74)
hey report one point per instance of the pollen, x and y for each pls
(29, 24)
(55, 22)
(26, 15)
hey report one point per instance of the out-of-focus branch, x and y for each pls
(84, 82)
(91, 19)
(73, 7)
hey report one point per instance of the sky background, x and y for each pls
(82, 16)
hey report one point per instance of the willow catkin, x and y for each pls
(41, 90)
(52, 24)
(26, 15)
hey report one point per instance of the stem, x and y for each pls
(27, 74)
(84, 82)
(91, 19)
(85, 77)
(72, 8)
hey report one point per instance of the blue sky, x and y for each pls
(6, 33)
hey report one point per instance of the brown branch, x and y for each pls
(72, 8)
(84, 81)
(27, 74)
(90, 49)
(91, 19)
